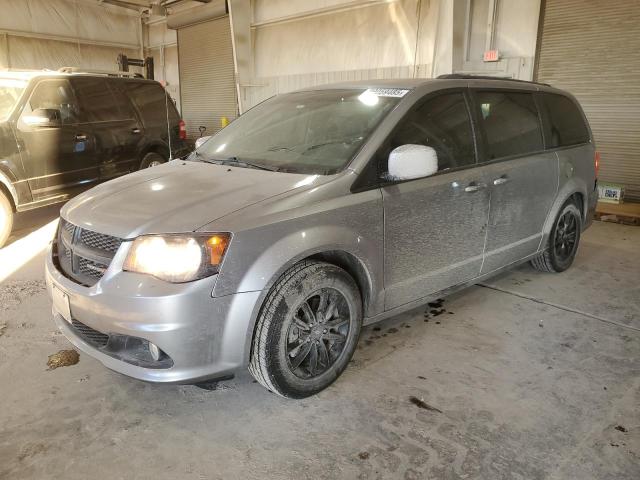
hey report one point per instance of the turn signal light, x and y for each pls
(596, 161)
(182, 132)
(217, 245)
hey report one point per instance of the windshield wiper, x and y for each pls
(346, 141)
(239, 163)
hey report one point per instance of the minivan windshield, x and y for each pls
(10, 91)
(313, 132)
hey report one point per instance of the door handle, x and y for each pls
(501, 180)
(135, 130)
(474, 187)
(81, 137)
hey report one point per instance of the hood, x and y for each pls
(176, 197)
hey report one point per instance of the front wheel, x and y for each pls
(563, 241)
(307, 330)
(6, 219)
(152, 159)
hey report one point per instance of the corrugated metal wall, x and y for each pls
(207, 81)
(592, 49)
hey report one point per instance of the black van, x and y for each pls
(63, 132)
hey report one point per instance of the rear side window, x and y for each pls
(565, 124)
(510, 122)
(102, 102)
(152, 102)
(443, 123)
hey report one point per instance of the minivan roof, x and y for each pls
(412, 83)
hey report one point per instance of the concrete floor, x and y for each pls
(534, 376)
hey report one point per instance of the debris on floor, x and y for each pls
(14, 293)
(63, 358)
(363, 455)
(620, 428)
(422, 404)
(3, 327)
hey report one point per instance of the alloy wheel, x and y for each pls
(318, 333)
(566, 235)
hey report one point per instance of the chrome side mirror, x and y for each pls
(200, 141)
(44, 117)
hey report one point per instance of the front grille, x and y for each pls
(84, 255)
(91, 269)
(100, 241)
(90, 335)
(68, 227)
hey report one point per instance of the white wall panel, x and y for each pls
(33, 53)
(73, 19)
(332, 42)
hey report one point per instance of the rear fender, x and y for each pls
(9, 187)
(571, 186)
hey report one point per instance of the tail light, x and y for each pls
(596, 162)
(182, 132)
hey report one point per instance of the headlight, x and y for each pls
(177, 258)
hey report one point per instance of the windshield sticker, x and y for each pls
(388, 92)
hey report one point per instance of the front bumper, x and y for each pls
(205, 337)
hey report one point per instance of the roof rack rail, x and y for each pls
(108, 73)
(462, 76)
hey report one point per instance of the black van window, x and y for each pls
(565, 122)
(510, 122)
(99, 101)
(57, 95)
(152, 103)
(442, 123)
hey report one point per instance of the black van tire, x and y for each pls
(551, 260)
(6, 218)
(152, 159)
(335, 307)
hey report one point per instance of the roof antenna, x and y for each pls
(166, 109)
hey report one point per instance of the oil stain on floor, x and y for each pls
(63, 358)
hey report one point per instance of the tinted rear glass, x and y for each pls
(152, 103)
(565, 122)
(100, 101)
(510, 122)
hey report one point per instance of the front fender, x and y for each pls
(258, 255)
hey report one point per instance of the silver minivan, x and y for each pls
(313, 214)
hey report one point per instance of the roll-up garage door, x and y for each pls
(591, 48)
(207, 82)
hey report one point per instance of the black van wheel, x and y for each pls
(562, 244)
(6, 219)
(307, 330)
(152, 159)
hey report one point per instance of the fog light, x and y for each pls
(154, 351)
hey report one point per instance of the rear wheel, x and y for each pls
(563, 241)
(307, 330)
(152, 159)
(6, 219)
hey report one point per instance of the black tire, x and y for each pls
(6, 219)
(563, 241)
(152, 159)
(278, 359)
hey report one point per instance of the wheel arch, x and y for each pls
(8, 190)
(155, 147)
(339, 257)
(574, 191)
